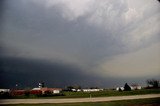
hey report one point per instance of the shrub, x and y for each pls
(127, 87)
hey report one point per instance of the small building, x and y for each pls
(51, 90)
(17, 92)
(91, 90)
(36, 91)
(135, 87)
(4, 90)
(47, 90)
(76, 90)
(120, 89)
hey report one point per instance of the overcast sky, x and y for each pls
(79, 42)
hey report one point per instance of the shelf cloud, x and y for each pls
(102, 40)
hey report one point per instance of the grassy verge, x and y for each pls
(139, 102)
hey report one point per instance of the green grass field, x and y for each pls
(105, 93)
(139, 102)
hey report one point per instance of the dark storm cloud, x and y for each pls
(28, 73)
(71, 42)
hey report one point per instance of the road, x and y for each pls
(76, 100)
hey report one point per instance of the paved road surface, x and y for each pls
(76, 100)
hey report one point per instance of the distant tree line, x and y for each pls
(153, 83)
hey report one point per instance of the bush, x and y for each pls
(127, 87)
